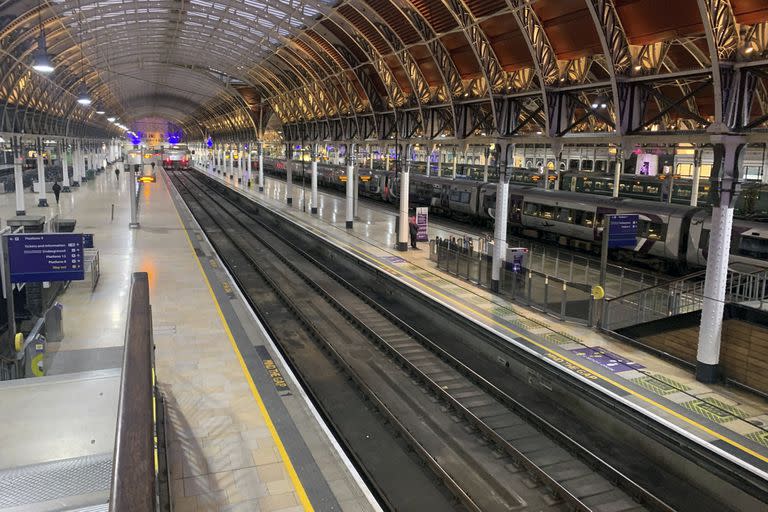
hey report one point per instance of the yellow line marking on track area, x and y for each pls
(556, 356)
(302, 494)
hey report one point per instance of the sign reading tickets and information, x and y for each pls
(622, 230)
(36, 257)
(422, 221)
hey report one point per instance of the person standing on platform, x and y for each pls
(117, 173)
(56, 190)
(413, 228)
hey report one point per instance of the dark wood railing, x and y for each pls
(133, 471)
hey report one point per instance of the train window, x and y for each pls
(547, 212)
(637, 188)
(753, 246)
(601, 165)
(706, 170)
(652, 189)
(458, 196)
(684, 169)
(587, 165)
(532, 209)
(651, 230)
(583, 218)
(565, 215)
(623, 187)
(573, 165)
(753, 172)
(599, 185)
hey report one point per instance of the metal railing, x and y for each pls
(134, 478)
(553, 295)
(684, 295)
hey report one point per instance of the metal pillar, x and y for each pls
(289, 182)
(500, 228)
(557, 151)
(313, 197)
(132, 196)
(403, 231)
(350, 193)
(41, 199)
(261, 168)
(485, 165)
(65, 168)
(18, 175)
(617, 170)
(248, 166)
(696, 177)
(725, 172)
(76, 164)
(455, 163)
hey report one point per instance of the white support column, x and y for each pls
(557, 151)
(249, 166)
(456, 161)
(289, 182)
(386, 158)
(66, 157)
(313, 197)
(500, 228)
(18, 175)
(76, 164)
(727, 149)
(617, 170)
(261, 167)
(696, 177)
(41, 199)
(485, 165)
(403, 231)
(350, 211)
(356, 190)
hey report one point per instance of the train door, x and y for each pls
(516, 209)
(600, 214)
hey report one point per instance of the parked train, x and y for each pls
(670, 237)
(176, 157)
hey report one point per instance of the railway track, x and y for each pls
(490, 452)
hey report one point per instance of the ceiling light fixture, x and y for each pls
(82, 95)
(111, 119)
(42, 62)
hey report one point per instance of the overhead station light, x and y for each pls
(42, 61)
(111, 119)
(100, 110)
(82, 96)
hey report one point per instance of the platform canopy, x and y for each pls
(373, 69)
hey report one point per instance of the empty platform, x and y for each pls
(239, 437)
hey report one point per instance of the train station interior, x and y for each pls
(384, 255)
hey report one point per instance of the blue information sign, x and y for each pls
(622, 230)
(88, 240)
(35, 257)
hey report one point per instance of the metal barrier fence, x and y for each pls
(552, 295)
(681, 296)
(134, 480)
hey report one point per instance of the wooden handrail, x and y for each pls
(133, 471)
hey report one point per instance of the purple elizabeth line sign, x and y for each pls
(35, 257)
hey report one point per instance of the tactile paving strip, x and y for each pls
(49, 481)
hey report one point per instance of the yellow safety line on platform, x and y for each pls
(302, 494)
(484, 316)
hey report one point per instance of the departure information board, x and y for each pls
(622, 230)
(36, 257)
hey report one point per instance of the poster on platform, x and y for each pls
(422, 221)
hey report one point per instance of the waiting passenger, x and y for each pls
(413, 228)
(117, 173)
